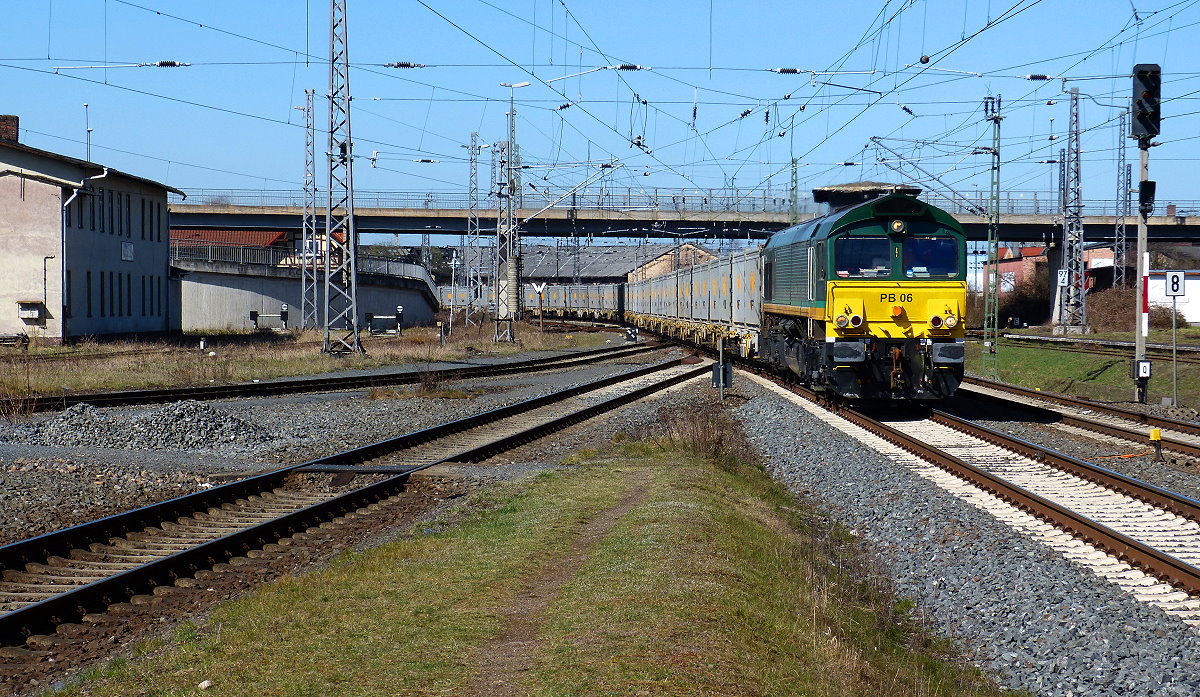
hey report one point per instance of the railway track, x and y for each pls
(1180, 439)
(1119, 349)
(1143, 538)
(55, 581)
(40, 403)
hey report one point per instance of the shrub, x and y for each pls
(1112, 310)
(1027, 303)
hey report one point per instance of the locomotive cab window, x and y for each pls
(863, 257)
(930, 257)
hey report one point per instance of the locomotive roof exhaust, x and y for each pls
(842, 195)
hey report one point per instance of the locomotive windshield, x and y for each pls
(863, 257)
(930, 257)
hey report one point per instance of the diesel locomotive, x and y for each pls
(866, 302)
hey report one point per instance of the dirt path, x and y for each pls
(501, 663)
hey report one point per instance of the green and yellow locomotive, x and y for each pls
(868, 301)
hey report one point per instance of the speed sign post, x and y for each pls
(1176, 288)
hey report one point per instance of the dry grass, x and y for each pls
(94, 366)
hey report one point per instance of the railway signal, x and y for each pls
(1147, 84)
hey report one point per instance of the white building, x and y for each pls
(85, 247)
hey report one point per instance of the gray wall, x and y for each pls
(214, 296)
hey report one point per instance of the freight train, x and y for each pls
(866, 302)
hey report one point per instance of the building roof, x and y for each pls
(191, 237)
(84, 165)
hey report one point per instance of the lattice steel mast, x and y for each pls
(308, 237)
(471, 253)
(508, 292)
(991, 285)
(341, 240)
(1073, 317)
(794, 195)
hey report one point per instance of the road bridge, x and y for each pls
(698, 214)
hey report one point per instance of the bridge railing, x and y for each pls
(617, 198)
(1016, 202)
(286, 258)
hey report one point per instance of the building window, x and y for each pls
(102, 305)
(112, 306)
(120, 295)
(79, 208)
(117, 212)
(100, 199)
(143, 219)
(67, 215)
(129, 294)
(159, 225)
(89, 293)
(112, 217)
(67, 306)
(128, 217)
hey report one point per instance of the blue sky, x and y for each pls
(228, 120)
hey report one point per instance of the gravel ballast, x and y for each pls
(84, 463)
(1027, 616)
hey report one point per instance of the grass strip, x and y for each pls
(716, 583)
(1095, 376)
(720, 585)
(403, 618)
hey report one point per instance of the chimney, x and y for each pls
(10, 126)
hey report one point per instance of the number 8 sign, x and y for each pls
(1175, 284)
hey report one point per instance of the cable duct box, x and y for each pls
(29, 309)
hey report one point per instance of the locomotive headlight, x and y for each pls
(898, 226)
(951, 321)
(841, 321)
(856, 321)
(935, 322)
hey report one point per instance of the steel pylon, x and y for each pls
(341, 239)
(991, 287)
(308, 239)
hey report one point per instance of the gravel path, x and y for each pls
(1027, 616)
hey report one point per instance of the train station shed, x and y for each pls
(85, 246)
